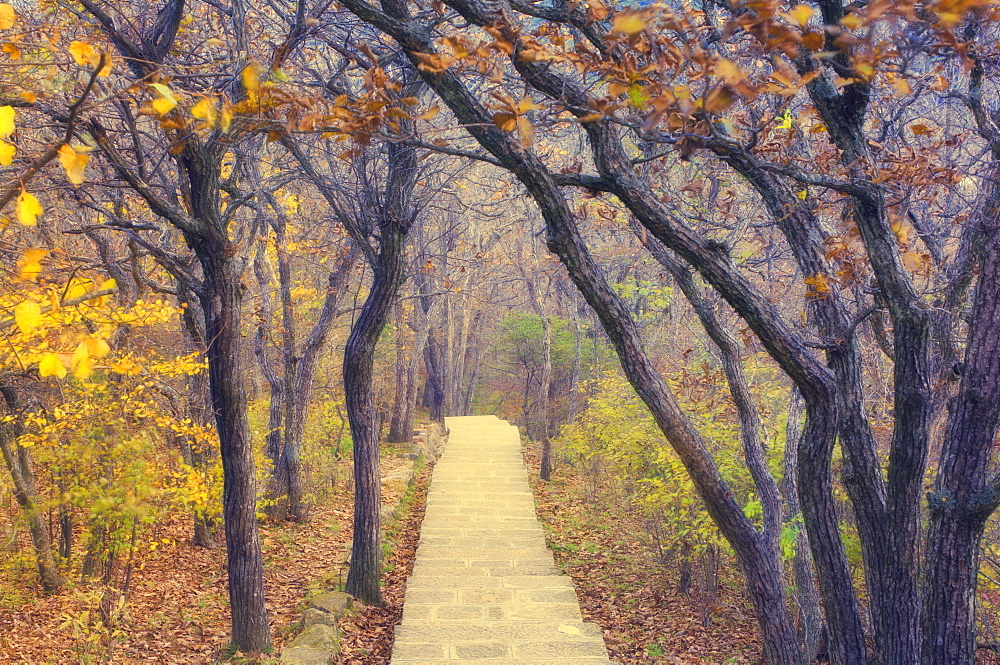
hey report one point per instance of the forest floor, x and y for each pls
(633, 598)
(627, 593)
(177, 606)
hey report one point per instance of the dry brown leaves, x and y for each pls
(177, 609)
(624, 591)
(368, 634)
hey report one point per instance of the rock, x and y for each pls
(318, 637)
(336, 603)
(388, 514)
(313, 617)
(306, 656)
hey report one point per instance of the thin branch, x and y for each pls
(456, 152)
(812, 179)
(53, 151)
(72, 302)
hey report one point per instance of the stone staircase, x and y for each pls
(484, 588)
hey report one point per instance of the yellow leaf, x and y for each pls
(802, 194)
(6, 120)
(215, 41)
(819, 285)
(30, 264)
(852, 21)
(51, 365)
(917, 262)
(227, 121)
(528, 104)
(29, 96)
(166, 101)
(27, 315)
(7, 151)
(526, 131)
(7, 16)
(108, 65)
(628, 23)
(728, 71)
(84, 54)
(96, 347)
(74, 163)
(35, 255)
(506, 122)
(430, 113)
(78, 287)
(251, 77)
(81, 363)
(801, 14)
(108, 284)
(12, 51)
(28, 209)
(205, 111)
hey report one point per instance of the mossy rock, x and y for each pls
(317, 636)
(336, 603)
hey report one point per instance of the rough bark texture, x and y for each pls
(394, 222)
(222, 305)
(964, 494)
(18, 462)
(812, 625)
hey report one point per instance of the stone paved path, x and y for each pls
(484, 588)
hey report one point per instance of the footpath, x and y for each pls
(484, 587)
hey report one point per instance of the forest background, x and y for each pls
(765, 310)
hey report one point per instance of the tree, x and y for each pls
(198, 173)
(692, 84)
(378, 216)
(290, 391)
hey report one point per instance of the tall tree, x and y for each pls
(205, 215)
(378, 216)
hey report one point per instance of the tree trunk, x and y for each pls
(300, 388)
(434, 386)
(18, 462)
(363, 578)
(198, 404)
(401, 424)
(65, 521)
(221, 303)
(574, 380)
(806, 594)
(277, 491)
(965, 494)
(404, 358)
(545, 467)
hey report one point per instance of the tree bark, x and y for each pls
(222, 304)
(394, 223)
(965, 495)
(806, 594)
(18, 461)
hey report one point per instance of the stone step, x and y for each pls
(484, 587)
